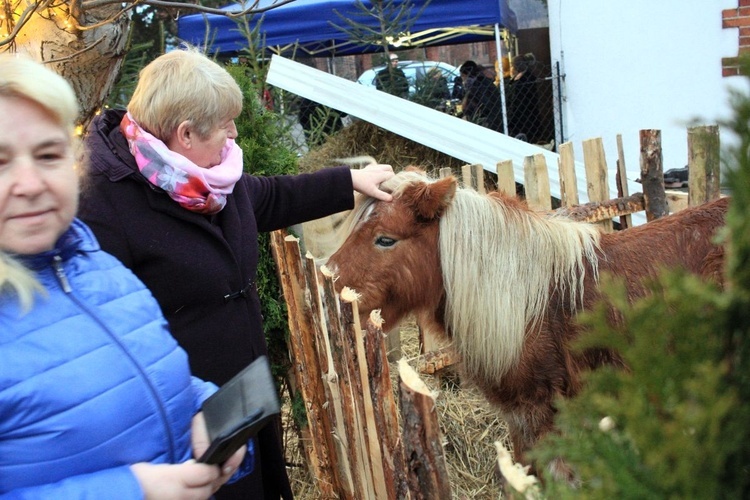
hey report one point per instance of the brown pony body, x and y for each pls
(504, 283)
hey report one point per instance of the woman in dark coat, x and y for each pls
(482, 103)
(523, 103)
(168, 198)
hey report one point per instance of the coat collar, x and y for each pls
(111, 157)
(78, 238)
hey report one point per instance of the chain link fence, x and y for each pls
(527, 107)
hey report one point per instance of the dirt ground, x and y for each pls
(469, 425)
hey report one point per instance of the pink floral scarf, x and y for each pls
(195, 188)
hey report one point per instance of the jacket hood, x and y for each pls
(109, 153)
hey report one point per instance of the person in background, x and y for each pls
(458, 88)
(318, 122)
(96, 397)
(168, 196)
(392, 79)
(505, 73)
(523, 112)
(481, 102)
(433, 89)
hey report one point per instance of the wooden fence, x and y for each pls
(356, 447)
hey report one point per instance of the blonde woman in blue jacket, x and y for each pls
(96, 397)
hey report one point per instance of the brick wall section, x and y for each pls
(736, 18)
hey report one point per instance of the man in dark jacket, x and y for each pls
(392, 79)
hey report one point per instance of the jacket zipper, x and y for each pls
(62, 277)
(60, 273)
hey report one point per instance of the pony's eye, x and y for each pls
(385, 241)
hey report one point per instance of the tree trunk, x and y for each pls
(89, 59)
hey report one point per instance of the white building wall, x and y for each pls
(641, 64)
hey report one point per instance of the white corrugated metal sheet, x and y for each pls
(440, 131)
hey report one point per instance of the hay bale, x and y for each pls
(365, 139)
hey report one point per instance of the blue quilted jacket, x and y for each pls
(91, 381)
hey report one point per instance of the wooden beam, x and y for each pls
(605, 210)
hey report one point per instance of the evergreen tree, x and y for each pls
(675, 425)
(267, 150)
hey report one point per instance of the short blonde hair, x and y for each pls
(24, 77)
(184, 85)
(21, 77)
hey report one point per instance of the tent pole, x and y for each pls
(501, 80)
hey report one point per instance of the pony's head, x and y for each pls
(477, 268)
(390, 255)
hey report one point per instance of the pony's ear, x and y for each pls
(429, 200)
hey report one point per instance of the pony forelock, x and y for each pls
(363, 205)
(500, 263)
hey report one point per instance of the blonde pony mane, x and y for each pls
(500, 264)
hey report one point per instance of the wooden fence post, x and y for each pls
(626, 221)
(703, 164)
(568, 179)
(350, 439)
(385, 410)
(306, 362)
(652, 175)
(425, 457)
(361, 396)
(506, 179)
(536, 179)
(597, 182)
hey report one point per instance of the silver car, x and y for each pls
(414, 71)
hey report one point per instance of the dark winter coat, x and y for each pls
(202, 269)
(483, 104)
(523, 110)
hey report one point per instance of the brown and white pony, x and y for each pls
(504, 283)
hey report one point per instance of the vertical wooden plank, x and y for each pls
(371, 429)
(568, 179)
(368, 448)
(596, 174)
(351, 437)
(536, 179)
(427, 471)
(652, 174)
(472, 177)
(305, 361)
(384, 409)
(626, 221)
(341, 405)
(466, 177)
(445, 172)
(704, 183)
(506, 179)
(479, 176)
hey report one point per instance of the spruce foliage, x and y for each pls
(266, 151)
(675, 425)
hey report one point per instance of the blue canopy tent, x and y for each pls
(310, 26)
